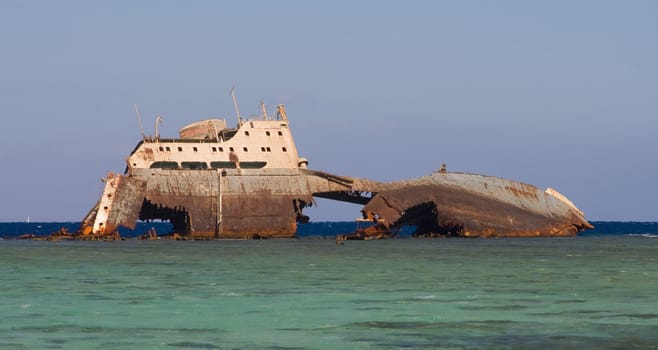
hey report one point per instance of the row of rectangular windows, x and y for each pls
(267, 133)
(193, 165)
(221, 149)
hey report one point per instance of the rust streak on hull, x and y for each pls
(469, 205)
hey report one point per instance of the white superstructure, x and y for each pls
(210, 144)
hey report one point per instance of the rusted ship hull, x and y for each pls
(247, 182)
(469, 205)
(203, 204)
(269, 204)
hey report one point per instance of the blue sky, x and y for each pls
(555, 93)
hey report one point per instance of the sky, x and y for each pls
(560, 94)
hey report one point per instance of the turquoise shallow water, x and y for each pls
(585, 292)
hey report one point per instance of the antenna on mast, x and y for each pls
(139, 120)
(263, 109)
(158, 121)
(235, 104)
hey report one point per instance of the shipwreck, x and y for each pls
(248, 181)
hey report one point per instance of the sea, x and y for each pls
(598, 290)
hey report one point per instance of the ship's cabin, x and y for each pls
(210, 144)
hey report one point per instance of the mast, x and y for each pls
(263, 109)
(158, 121)
(235, 104)
(139, 120)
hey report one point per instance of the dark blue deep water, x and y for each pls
(16, 229)
(317, 229)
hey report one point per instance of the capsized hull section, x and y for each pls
(470, 205)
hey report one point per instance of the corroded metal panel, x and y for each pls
(226, 204)
(266, 216)
(261, 206)
(474, 206)
(189, 199)
(191, 214)
(120, 204)
(129, 198)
